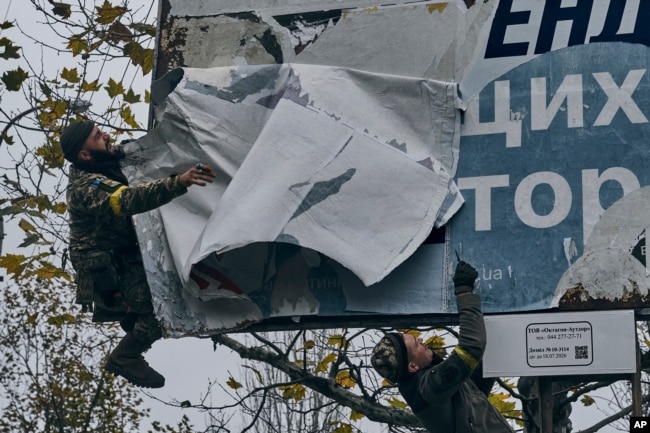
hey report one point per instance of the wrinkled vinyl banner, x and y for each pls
(320, 171)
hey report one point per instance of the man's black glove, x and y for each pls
(464, 278)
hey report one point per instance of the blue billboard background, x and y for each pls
(582, 113)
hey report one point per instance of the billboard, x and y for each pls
(510, 134)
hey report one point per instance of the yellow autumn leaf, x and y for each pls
(31, 319)
(344, 379)
(61, 320)
(294, 392)
(233, 383)
(587, 400)
(93, 86)
(26, 226)
(337, 340)
(131, 97)
(147, 64)
(107, 13)
(396, 403)
(13, 263)
(325, 362)
(502, 404)
(343, 427)
(128, 116)
(356, 416)
(309, 344)
(48, 271)
(435, 342)
(414, 332)
(77, 45)
(70, 75)
(114, 88)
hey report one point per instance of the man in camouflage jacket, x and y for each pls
(103, 244)
(446, 395)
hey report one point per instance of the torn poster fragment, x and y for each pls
(313, 164)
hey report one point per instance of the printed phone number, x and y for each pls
(563, 336)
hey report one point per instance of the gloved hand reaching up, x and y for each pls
(464, 278)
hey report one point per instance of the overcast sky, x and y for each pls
(188, 364)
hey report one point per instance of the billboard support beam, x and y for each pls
(546, 402)
(637, 392)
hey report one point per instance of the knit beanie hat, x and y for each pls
(390, 358)
(73, 138)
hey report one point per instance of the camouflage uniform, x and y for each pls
(103, 245)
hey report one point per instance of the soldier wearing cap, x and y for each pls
(103, 247)
(446, 395)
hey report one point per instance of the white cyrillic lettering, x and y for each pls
(620, 97)
(591, 184)
(504, 121)
(561, 206)
(570, 90)
(483, 196)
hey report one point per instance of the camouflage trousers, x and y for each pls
(120, 292)
(132, 304)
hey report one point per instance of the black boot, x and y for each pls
(126, 360)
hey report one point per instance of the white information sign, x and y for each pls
(565, 343)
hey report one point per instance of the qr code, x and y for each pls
(582, 352)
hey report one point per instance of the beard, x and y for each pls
(105, 156)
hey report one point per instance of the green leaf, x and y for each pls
(90, 87)
(10, 50)
(140, 56)
(131, 97)
(70, 75)
(61, 319)
(6, 25)
(147, 65)
(14, 79)
(61, 9)
(118, 32)
(45, 89)
(9, 139)
(77, 45)
(30, 240)
(129, 118)
(107, 13)
(233, 383)
(587, 400)
(114, 88)
(31, 319)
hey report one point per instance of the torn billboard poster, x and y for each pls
(310, 182)
(552, 162)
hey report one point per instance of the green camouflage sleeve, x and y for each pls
(137, 199)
